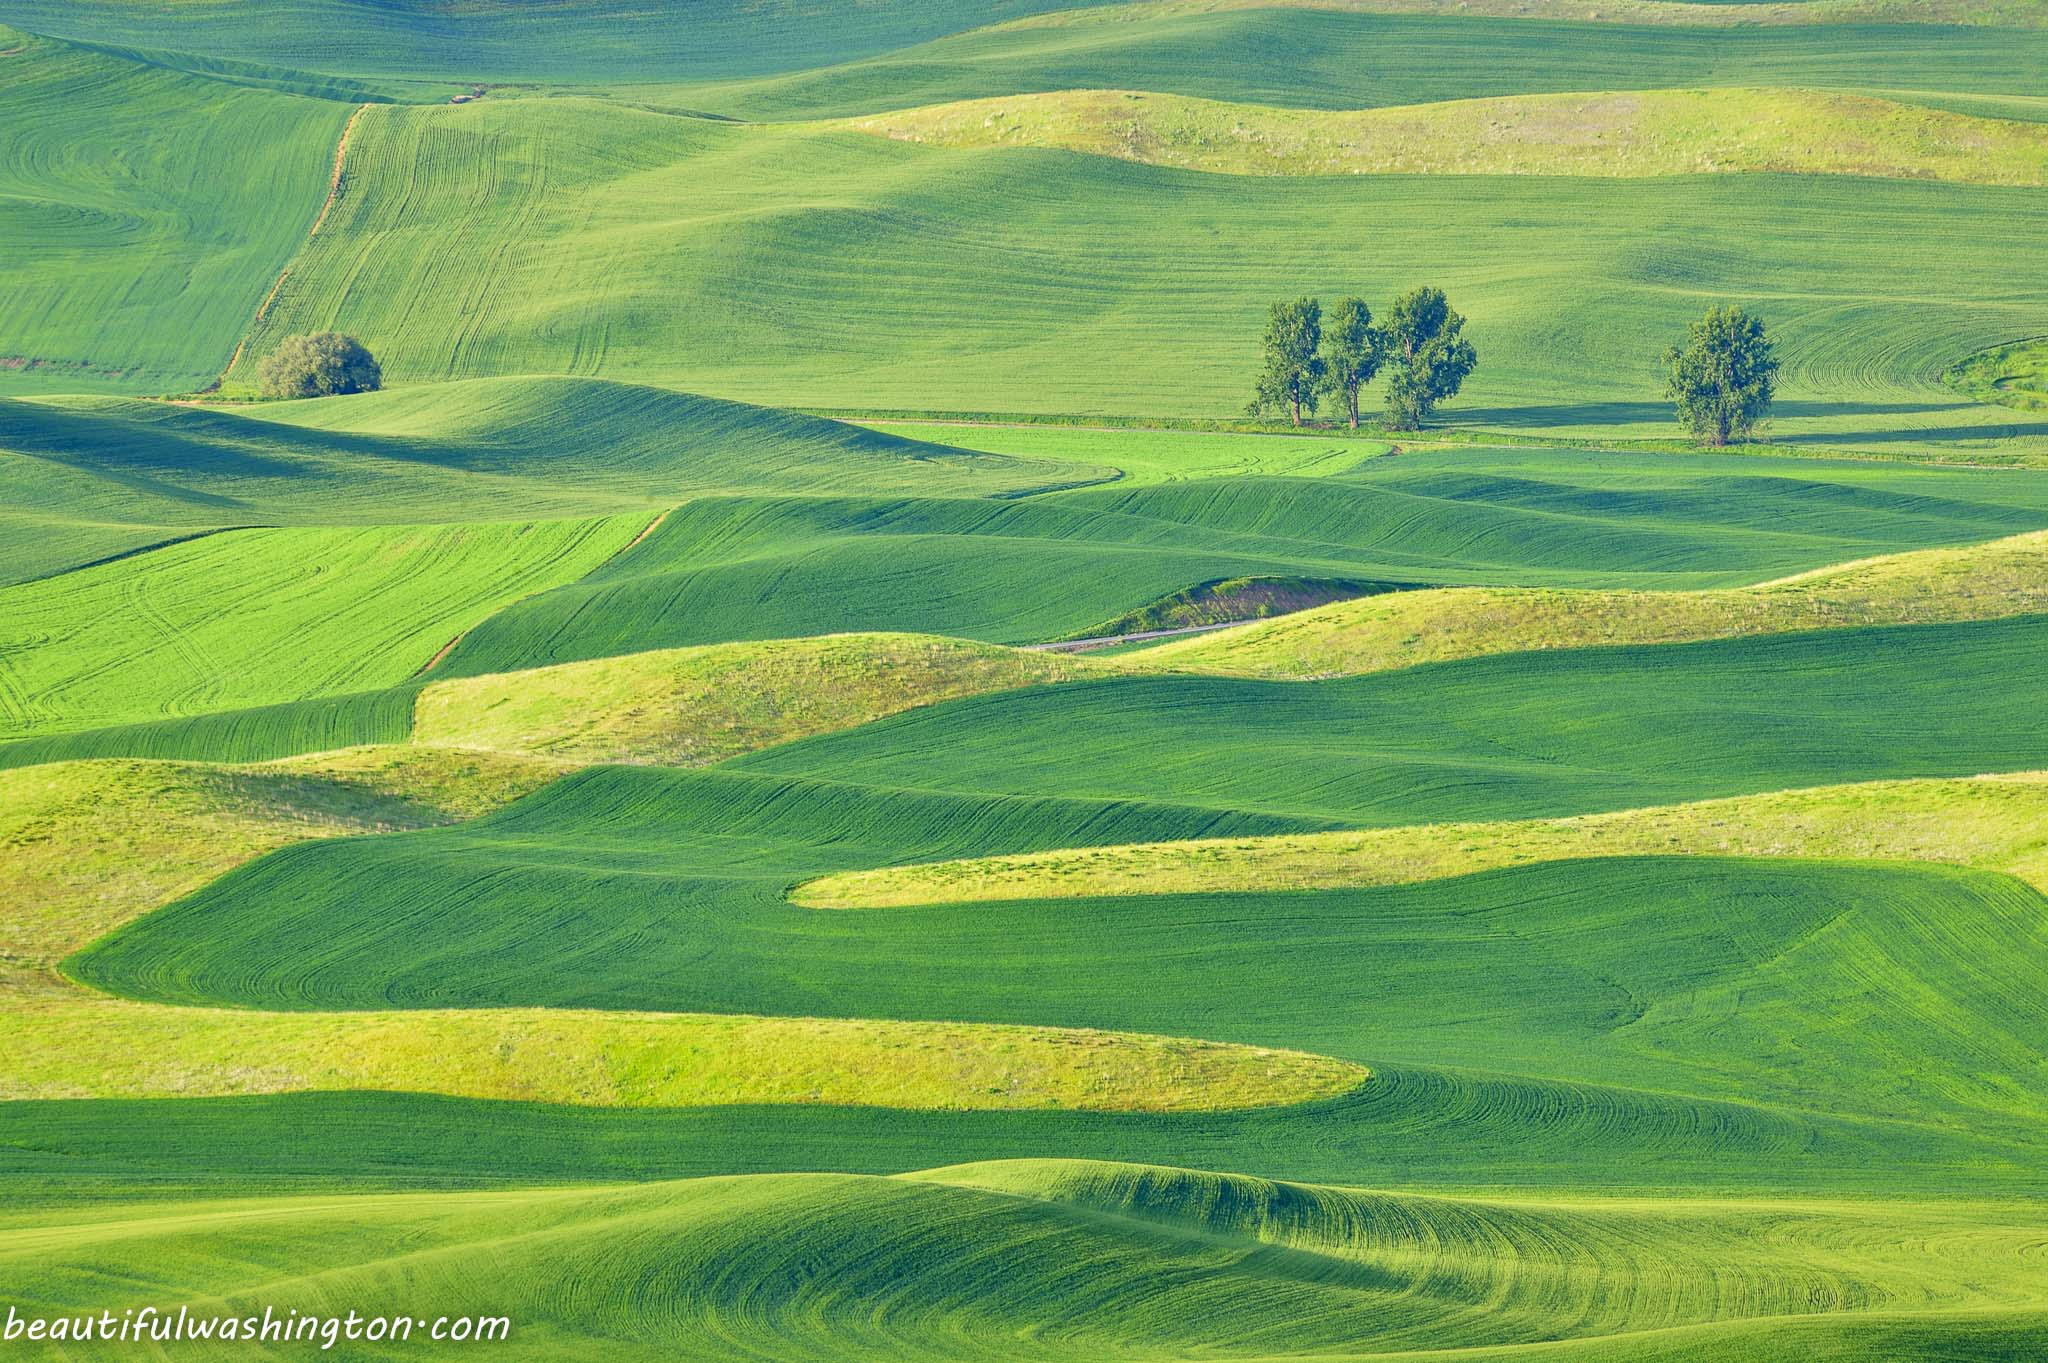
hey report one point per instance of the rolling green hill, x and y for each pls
(1044, 568)
(245, 617)
(1349, 56)
(91, 478)
(1625, 134)
(146, 213)
(1525, 734)
(1033, 1260)
(990, 278)
(588, 833)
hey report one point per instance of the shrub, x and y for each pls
(319, 365)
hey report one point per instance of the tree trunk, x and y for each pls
(1354, 409)
(1297, 409)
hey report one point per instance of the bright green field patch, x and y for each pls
(1082, 1261)
(146, 212)
(247, 617)
(1637, 133)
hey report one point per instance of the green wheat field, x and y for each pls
(801, 782)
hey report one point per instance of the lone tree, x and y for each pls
(1428, 355)
(1356, 350)
(318, 365)
(1724, 376)
(1294, 372)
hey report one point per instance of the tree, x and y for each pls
(318, 365)
(1293, 377)
(1724, 376)
(1357, 348)
(1429, 355)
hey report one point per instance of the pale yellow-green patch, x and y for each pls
(1616, 134)
(1993, 822)
(1401, 629)
(74, 1046)
(86, 846)
(691, 706)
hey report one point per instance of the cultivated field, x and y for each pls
(611, 829)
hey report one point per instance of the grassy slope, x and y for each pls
(87, 478)
(599, 41)
(689, 868)
(691, 707)
(1895, 993)
(146, 213)
(247, 617)
(93, 845)
(1992, 822)
(1056, 1259)
(1350, 57)
(1666, 132)
(1987, 581)
(1145, 457)
(719, 570)
(64, 1046)
(2014, 375)
(1523, 735)
(580, 237)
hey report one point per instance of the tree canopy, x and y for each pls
(1356, 348)
(1295, 370)
(1428, 356)
(1725, 375)
(319, 364)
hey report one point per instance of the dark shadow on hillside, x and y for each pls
(1552, 416)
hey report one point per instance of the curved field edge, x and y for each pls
(1052, 1260)
(703, 703)
(202, 626)
(693, 706)
(69, 1046)
(1989, 822)
(1603, 133)
(1687, 13)
(92, 845)
(1995, 580)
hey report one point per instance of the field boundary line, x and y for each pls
(610, 559)
(138, 551)
(326, 207)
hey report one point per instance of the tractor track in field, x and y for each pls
(626, 548)
(326, 207)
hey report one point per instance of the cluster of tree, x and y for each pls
(1724, 377)
(1421, 347)
(318, 365)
